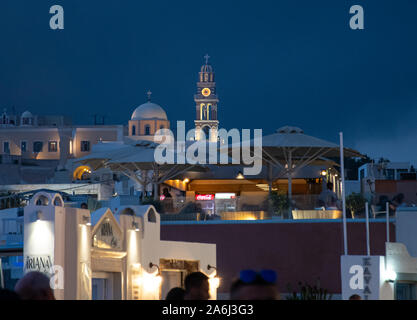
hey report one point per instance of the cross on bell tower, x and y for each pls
(207, 57)
(206, 104)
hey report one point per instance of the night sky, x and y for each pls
(277, 63)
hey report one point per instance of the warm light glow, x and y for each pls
(323, 173)
(133, 247)
(206, 92)
(151, 282)
(214, 283)
(186, 180)
(240, 176)
(42, 236)
(78, 173)
(390, 275)
(243, 215)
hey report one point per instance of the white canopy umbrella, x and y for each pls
(136, 161)
(289, 150)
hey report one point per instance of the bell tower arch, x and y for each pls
(206, 101)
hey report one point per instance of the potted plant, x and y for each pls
(355, 202)
(308, 292)
(278, 202)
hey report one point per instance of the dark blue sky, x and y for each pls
(276, 62)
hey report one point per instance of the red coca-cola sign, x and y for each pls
(204, 196)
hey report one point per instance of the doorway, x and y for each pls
(107, 286)
(171, 279)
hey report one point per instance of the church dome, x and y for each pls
(149, 110)
(27, 114)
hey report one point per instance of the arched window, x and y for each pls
(128, 212)
(202, 111)
(208, 112)
(206, 131)
(151, 215)
(147, 130)
(58, 202)
(42, 201)
(133, 130)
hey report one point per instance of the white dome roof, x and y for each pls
(290, 129)
(149, 110)
(27, 114)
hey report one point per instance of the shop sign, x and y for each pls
(41, 263)
(108, 236)
(204, 197)
(225, 196)
(361, 275)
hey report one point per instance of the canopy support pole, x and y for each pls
(290, 183)
(342, 173)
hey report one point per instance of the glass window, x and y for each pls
(405, 291)
(85, 146)
(133, 130)
(390, 174)
(23, 146)
(147, 130)
(37, 146)
(6, 147)
(12, 269)
(52, 146)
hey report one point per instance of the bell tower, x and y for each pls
(206, 104)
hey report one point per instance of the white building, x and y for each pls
(106, 255)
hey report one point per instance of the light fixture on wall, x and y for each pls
(209, 267)
(186, 180)
(135, 226)
(323, 173)
(37, 216)
(390, 275)
(214, 282)
(86, 220)
(151, 265)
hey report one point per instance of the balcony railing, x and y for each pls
(244, 208)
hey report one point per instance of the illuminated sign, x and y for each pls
(361, 275)
(41, 263)
(204, 196)
(225, 195)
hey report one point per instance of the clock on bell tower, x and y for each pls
(206, 104)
